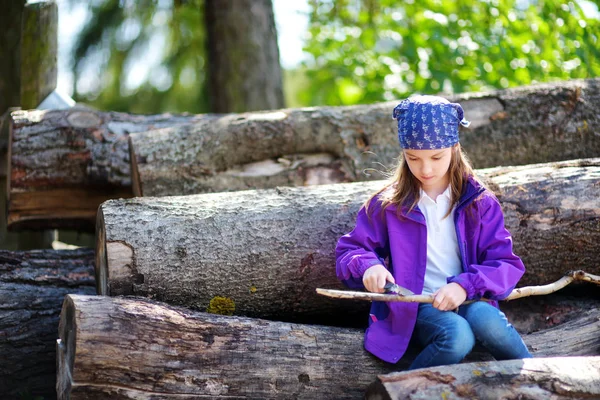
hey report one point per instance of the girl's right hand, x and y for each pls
(375, 277)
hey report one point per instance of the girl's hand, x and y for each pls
(449, 297)
(375, 277)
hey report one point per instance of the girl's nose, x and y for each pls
(426, 169)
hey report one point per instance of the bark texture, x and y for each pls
(293, 147)
(526, 125)
(63, 164)
(10, 43)
(39, 49)
(244, 73)
(33, 285)
(533, 124)
(537, 378)
(125, 348)
(55, 153)
(268, 250)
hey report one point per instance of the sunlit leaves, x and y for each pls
(365, 51)
(142, 56)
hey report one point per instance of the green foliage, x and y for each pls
(365, 51)
(119, 33)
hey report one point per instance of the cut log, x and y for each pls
(338, 144)
(89, 152)
(33, 285)
(268, 250)
(125, 348)
(533, 378)
(63, 164)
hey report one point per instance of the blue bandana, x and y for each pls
(428, 122)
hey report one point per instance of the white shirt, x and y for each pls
(443, 255)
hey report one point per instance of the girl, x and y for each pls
(434, 229)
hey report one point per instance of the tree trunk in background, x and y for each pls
(33, 285)
(124, 348)
(268, 250)
(39, 52)
(244, 73)
(10, 48)
(538, 378)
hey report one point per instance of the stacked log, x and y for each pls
(33, 285)
(61, 186)
(537, 378)
(63, 163)
(126, 348)
(338, 144)
(268, 250)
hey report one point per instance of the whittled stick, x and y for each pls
(424, 298)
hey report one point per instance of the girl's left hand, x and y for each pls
(449, 297)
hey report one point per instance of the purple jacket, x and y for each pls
(490, 268)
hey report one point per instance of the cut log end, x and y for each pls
(65, 349)
(101, 265)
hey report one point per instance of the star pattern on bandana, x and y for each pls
(428, 122)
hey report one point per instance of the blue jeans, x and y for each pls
(447, 336)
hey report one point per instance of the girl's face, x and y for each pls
(430, 167)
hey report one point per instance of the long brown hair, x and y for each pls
(403, 187)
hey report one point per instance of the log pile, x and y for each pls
(33, 285)
(250, 239)
(61, 186)
(258, 255)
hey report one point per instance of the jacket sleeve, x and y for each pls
(498, 269)
(365, 246)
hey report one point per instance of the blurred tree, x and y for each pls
(243, 57)
(10, 48)
(365, 51)
(151, 56)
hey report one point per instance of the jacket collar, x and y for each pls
(472, 190)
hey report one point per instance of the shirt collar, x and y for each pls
(423, 195)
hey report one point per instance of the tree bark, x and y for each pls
(63, 164)
(32, 288)
(39, 50)
(294, 147)
(244, 73)
(10, 48)
(510, 127)
(269, 250)
(538, 378)
(285, 147)
(123, 348)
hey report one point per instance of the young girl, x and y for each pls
(434, 229)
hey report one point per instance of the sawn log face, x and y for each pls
(269, 250)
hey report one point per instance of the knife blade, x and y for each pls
(397, 289)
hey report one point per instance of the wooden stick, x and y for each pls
(423, 298)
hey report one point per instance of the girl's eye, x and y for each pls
(437, 158)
